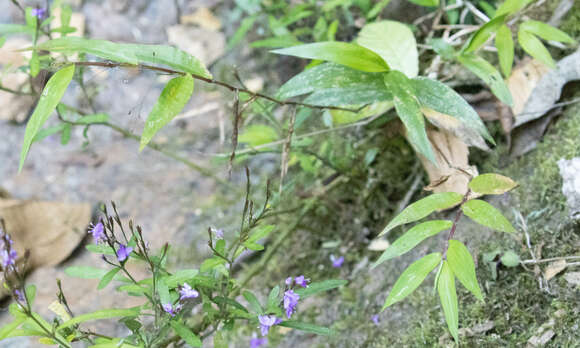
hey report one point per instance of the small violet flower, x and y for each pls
(168, 308)
(219, 233)
(39, 13)
(19, 295)
(289, 281)
(98, 232)
(266, 322)
(186, 292)
(256, 342)
(123, 252)
(375, 319)
(8, 257)
(336, 261)
(302, 281)
(290, 302)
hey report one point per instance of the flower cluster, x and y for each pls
(9, 255)
(186, 292)
(290, 297)
(100, 236)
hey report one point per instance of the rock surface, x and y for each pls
(570, 172)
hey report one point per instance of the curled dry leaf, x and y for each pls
(554, 268)
(453, 171)
(458, 128)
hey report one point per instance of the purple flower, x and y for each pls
(186, 292)
(19, 295)
(8, 257)
(219, 233)
(290, 302)
(168, 308)
(39, 13)
(266, 322)
(303, 282)
(375, 319)
(98, 232)
(289, 281)
(123, 252)
(256, 342)
(336, 261)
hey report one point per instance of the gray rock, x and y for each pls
(570, 172)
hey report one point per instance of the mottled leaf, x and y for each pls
(492, 184)
(49, 99)
(172, 100)
(412, 277)
(394, 42)
(424, 207)
(351, 55)
(488, 74)
(411, 238)
(448, 297)
(485, 214)
(409, 111)
(461, 263)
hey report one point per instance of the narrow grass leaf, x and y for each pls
(448, 297)
(315, 329)
(485, 71)
(318, 287)
(484, 33)
(546, 32)
(505, 49)
(535, 48)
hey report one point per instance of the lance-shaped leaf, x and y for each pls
(317, 287)
(535, 48)
(185, 333)
(485, 214)
(172, 100)
(448, 297)
(394, 42)
(413, 237)
(315, 329)
(412, 277)
(485, 71)
(351, 55)
(101, 314)
(424, 207)
(505, 49)
(546, 32)
(461, 263)
(484, 33)
(49, 99)
(129, 53)
(409, 111)
(510, 7)
(443, 99)
(492, 184)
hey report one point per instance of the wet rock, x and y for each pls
(570, 172)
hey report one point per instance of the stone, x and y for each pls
(570, 172)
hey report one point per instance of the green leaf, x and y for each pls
(34, 64)
(485, 71)
(100, 249)
(107, 278)
(409, 112)
(484, 33)
(101, 314)
(163, 292)
(85, 272)
(180, 277)
(413, 237)
(31, 293)
(427, 3)
(211, 263)
(394, 42)
(65, 134)
(351, 55)
(172, 100)
(317, 287)
(246, 24)
(15, 29)
(448, 297)
(185, 333)
(273, 300)
(505, 49)
(260, 232)
(443, 99)
(442, 48)
(461, 263)
(485, 214)
(412, 277)
(315, 329)
(377, 8)
(510, 259)
(546, 31)
(277, 42)
(10, 327)
(535, 48)
(492, 184)
(424, 207)
(129, 53)
(258, 134)
(253, 301)
(229, 301)
(51, 95)
(94, 118)
(510, 7)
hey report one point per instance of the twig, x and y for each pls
(534, 261)
(286, 150)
